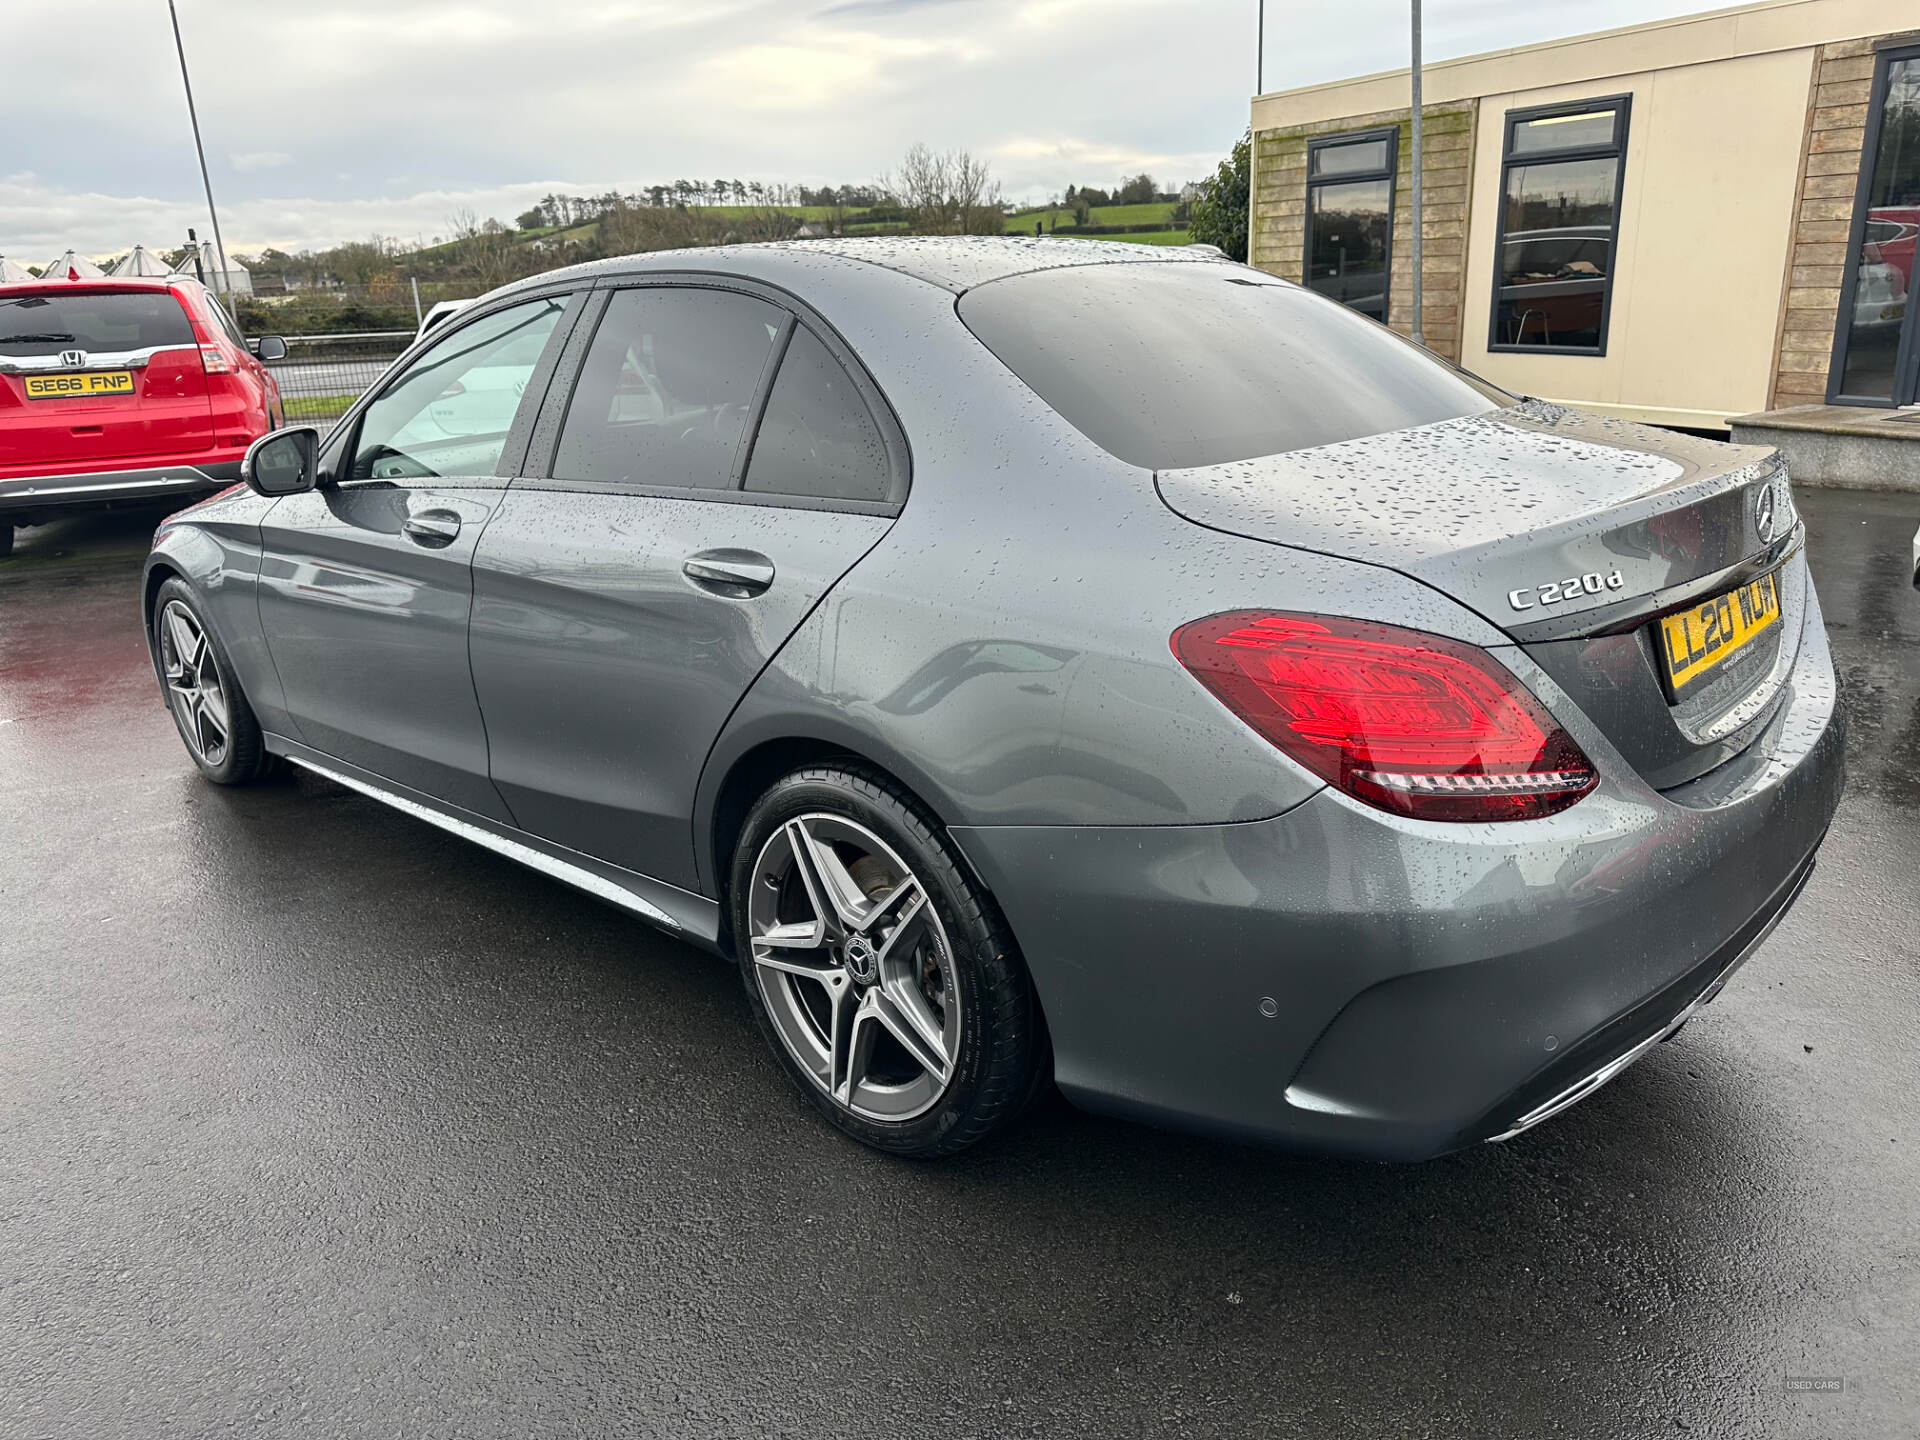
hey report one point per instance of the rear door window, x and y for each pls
(818, 438)
(97, 322)
(667, 389)
(1172, 365)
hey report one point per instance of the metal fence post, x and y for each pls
(418, 318)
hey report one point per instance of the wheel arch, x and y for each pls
(159, 571)
(755, 760)
(754, 766)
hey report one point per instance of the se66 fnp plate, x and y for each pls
(70, 387)
(1698, 640)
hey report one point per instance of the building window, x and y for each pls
(1350, 218)
(1560, 176)
(1875, 353)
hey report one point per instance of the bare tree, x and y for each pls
(948, 193)
(487, 250)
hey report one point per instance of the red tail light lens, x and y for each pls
(1408, 722)
(178, 373)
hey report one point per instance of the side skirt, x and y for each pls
(692, 917)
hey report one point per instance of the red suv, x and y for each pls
(118, 390)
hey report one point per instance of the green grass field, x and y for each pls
(1158, 212)
(805, 212)
(301, 409)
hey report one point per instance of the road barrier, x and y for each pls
(324, 374)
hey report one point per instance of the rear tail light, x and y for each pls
(1404, 721)
(176, 373)
(214, 360)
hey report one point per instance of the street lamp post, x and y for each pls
(1419, 315)
(219, 246)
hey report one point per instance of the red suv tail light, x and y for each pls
(1404, 721)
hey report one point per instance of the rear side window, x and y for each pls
(667, 388)
(818, 438)
(1169, 366)
(97, 323)
(227, 322)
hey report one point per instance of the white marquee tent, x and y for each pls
(141, 261)
(71, 266)
(239, 281)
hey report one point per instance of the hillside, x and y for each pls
(370, 286)
(1151, 223)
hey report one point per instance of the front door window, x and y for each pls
(449, 412)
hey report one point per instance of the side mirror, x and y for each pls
(270, 347)
(283, 463)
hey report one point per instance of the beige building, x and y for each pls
(1682, 222)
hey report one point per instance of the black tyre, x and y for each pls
(6, 539)
(885, 981)
(215, 722)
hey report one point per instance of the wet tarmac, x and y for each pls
(316, 1121)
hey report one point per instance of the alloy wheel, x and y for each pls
(194, 688)
(855, 967)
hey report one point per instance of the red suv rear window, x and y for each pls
(98, 322)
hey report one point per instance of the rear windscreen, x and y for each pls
(1175, 365)
(47, 324)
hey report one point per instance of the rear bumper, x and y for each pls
(34, 495)
(1344, 980)
(1611, 1049)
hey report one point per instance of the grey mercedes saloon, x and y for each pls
(1049, 661)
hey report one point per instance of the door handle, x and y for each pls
(432, 528)
(736, 574)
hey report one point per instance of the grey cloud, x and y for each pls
(486, 98)
(888, 7)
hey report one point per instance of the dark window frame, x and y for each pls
(1905, 358)
(1616, 149)
(537, 471)
(1389, 133)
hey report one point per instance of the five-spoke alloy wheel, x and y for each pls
(213, 717)
(885, 979)
(854, 967)
(194, 689)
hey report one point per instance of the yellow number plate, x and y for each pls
(69, 387)
(1701, 638)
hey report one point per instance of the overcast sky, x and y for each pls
(333, 120)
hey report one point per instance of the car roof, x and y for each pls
(953, 262)
(960, 262)
(96, 284)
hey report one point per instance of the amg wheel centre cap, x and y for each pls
(862, 964)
